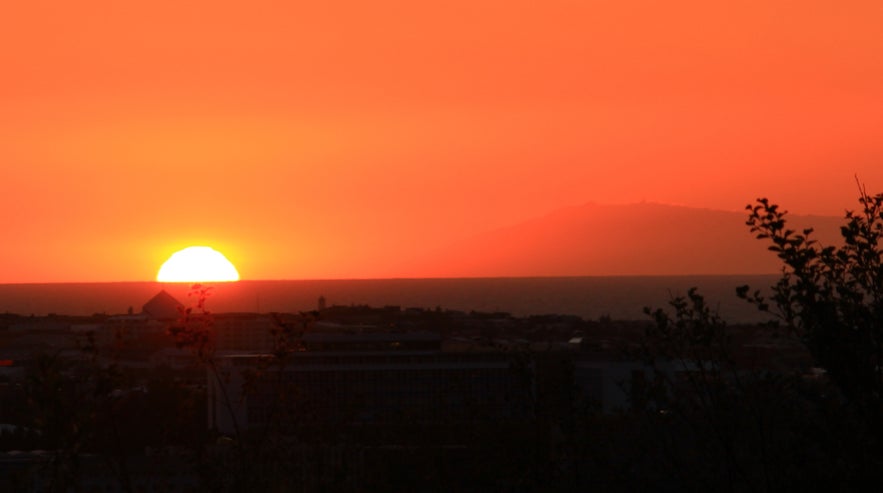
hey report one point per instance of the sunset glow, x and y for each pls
(197, 264)
(342, 139)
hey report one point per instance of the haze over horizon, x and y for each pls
(341, 139)
(601, 240)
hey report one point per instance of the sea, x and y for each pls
(617, 297)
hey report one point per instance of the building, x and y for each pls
(374, 378)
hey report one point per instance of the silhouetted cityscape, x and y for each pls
(340, 398)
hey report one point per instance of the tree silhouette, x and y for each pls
(712, 420)
(831, 296)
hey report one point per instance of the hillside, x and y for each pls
(634, 239)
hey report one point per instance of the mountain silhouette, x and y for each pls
(634, 239)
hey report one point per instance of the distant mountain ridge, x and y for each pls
(613, 240)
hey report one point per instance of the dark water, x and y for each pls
(588, 297)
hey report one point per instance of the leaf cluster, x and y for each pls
(194, 328)
(830, 296)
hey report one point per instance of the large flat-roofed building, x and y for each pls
(243, 331)
(371, 378)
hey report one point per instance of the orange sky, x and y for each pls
(336, 138)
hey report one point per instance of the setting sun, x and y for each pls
(197, 264)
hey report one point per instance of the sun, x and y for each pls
(197, 264)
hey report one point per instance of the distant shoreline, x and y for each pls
(466, 278)
(620, 297)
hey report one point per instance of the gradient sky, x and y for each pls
(333, 139)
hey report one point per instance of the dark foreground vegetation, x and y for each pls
(795, 404)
